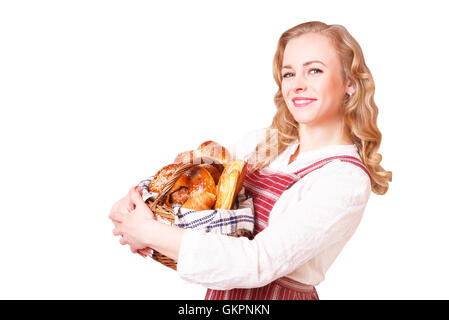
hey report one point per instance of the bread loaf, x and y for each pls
(230, 184)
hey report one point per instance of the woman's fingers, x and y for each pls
(116, 232)
(122, 205)
(129, 224)
(137, 200)
(116, 216)
(143, 253)
(135, 189)
(131, 205)
(148, 251)
(136, 197)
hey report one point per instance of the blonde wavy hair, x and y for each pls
(360, 110)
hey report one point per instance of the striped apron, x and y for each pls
(265, 186)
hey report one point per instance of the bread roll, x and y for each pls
(161, 177)
(213, 170)
(230, 184)
(213, 151)
(209, 152)
(200, 201)
(184, 157)
(197, 180)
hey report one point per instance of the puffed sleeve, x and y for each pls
(328, 212)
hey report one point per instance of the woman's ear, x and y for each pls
(350, 86)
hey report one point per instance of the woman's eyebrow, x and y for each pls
(304, 64)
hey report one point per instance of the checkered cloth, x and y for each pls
(220, 221)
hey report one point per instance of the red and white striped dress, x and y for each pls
(265, 186)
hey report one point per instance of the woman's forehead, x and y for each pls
(310, 47)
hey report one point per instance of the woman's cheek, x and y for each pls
(285, 91)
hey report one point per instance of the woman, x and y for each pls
(313, 185)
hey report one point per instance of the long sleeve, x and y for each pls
(325, 213)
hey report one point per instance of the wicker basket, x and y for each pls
(167, 214)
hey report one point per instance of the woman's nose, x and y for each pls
(300, 84)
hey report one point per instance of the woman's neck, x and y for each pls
(316, 137)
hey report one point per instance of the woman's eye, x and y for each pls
(315, 71)
(311, 71)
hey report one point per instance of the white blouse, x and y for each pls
(307, 228)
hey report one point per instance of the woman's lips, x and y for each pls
(302, 102)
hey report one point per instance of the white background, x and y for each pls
(97, 95)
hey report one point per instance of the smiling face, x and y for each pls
(313, 82)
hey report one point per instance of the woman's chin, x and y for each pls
(305, 119)
(303, 116)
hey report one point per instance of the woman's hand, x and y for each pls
(132, 219)
(124, 205)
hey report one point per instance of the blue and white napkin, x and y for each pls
(220, 221)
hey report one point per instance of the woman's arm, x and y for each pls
(329, 211)
(327, 214)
